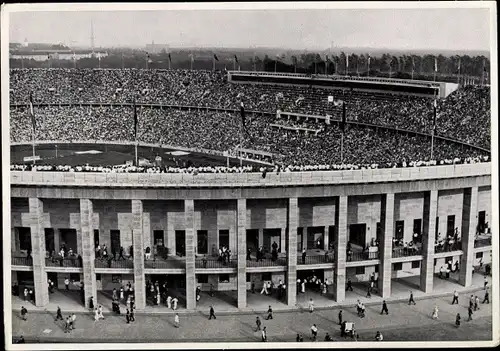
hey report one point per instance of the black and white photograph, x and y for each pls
(222, 175)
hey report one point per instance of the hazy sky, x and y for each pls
(446, 29)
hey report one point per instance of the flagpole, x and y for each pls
(432, 143)
(342, 149)
(33, 146)
(136, 156)
(412, 66)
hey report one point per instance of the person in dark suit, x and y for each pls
(269, 313)
(212, 313)
(340, 317)
(127, 316)
(384, 308)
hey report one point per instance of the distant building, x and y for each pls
(56, 54)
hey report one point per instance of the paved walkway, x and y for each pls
(404, 322)
(225, 302)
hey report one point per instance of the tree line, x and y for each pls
(387, 65)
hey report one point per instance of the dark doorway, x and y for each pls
(450, 225)
(315, 237)
(357, 234)
(224, 238)
(49, 240)
(202, 242)
(180, 242)
(24, 238)
(68, 237)
(331, 236)
(25, 279)
(400, 229)
(481, 221)
(300, 235)
(417, 226)
(115, 240)
(252, 239)
(272, 235)
(96, 238)
(437, 228)
(379, 232)
(158, 238)
(53, 277)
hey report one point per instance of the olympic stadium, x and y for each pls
(221, 183)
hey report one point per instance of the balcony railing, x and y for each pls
(482, 242)
(161, 263)
(22, 261)
(316, 259)
(127, 263)
(63, 262)
(211, 263)
(408, 252)
(362, 256)
(448, 247)
(267, 262)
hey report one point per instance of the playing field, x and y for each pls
(113, 154)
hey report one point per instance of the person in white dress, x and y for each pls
(435, 313)
(176, 320)
(158, 299)
(264, 289)
(174, 303)
(169, 302)
(101, 316)
(96, 315)
(303, 287)
(311, 305)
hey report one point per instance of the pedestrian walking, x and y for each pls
(470, 313)
(96, 314)
(99, 310)
(368, 294)
(379, 337)
(455, 298)
(269, 313)
(349, 285)
(66, 283)
(67, 325)
(457, 320)
(340, 317)
(264, 334)
(132, 315)
(59, 314)
(91, 303)
(115, 294)
(314, 332)
(303, 287)
(486, 297)
(411, 300)
(73, 320)
(435, 312)
(24, 313)
(169, 301)
(212, 313)
(471, 301)
(264, 289)
(258, 323)
(311, 305)
(175, 300)
(127, 316)
(485, 282)
(176, 320)
(384, 308)
(476, 303)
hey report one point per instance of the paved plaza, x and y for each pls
(155, 324)
(404, 322)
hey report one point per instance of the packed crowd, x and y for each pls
(210, 89)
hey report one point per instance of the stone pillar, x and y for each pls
(469, 224)
(241, 214)
(79, 240)
(340, 249)
(138, 247)
(428, 240)
(38, 252)
(190, 255)
(326, 241)
(283, 240)
(385, 246)
(293, 223)
(261, 237)
(88, 252)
